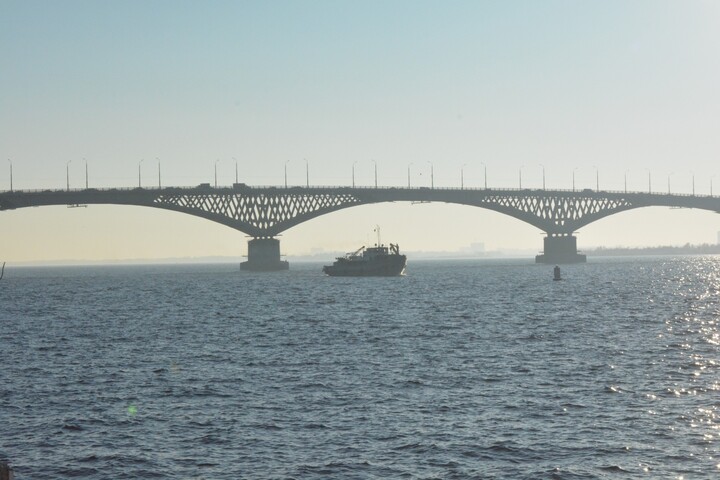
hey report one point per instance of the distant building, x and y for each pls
(477, 248)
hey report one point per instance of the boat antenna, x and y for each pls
(377, 230)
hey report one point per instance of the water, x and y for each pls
(458, 370)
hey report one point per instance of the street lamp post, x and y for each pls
(159, 180)
(520, 176)
(286, 162)
(626, 181)
(307, 174)
(11, 185)
(408, 171)
(432, 176)
(216, 162)
(484, 175)
(67, 174)
(693, 183)
(236, 170)
(649, 183)
(462, 179)
(86, 174)
(711, 194)
(139, 174)
(543, 171)
(375, 165)
(574, 178)
(669, 175)
(353, 174)
(597, 179)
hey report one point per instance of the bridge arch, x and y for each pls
(111, 233)
(264, 212)
(654, 226)
(426, 227)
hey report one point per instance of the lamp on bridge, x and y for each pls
(286, 162)
(520, 176)
(11, 185)
(375, 164)
(574, 178)
(693, 183)
(408, 170)
(216, 162)
(159, 182)
(597, 179)
(626, 181)
(484, 174)
(139, 173)
(462, 180)
(67, 174)
(543, 172)
(432, 176)
(353, 173)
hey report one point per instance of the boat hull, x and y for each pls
(389, 266)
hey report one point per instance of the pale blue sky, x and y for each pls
(572, 85)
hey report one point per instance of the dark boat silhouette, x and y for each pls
(377, 261)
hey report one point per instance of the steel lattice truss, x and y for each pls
(267, 214)
(556, 214)
(261, 214)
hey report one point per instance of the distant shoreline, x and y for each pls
(687, 249)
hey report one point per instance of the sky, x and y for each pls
(595, 89)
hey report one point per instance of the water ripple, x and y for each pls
(465, 370)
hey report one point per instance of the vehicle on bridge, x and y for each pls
(377, 261)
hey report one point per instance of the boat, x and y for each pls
(377, 261)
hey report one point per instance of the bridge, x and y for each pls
(265, 212)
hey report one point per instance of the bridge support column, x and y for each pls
(560, 249)
(264, 256)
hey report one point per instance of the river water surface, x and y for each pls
(478, 369)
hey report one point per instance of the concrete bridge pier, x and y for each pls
(560, 249)
(264, 256)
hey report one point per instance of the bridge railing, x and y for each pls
(297, 188)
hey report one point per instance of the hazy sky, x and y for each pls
(613, 87)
